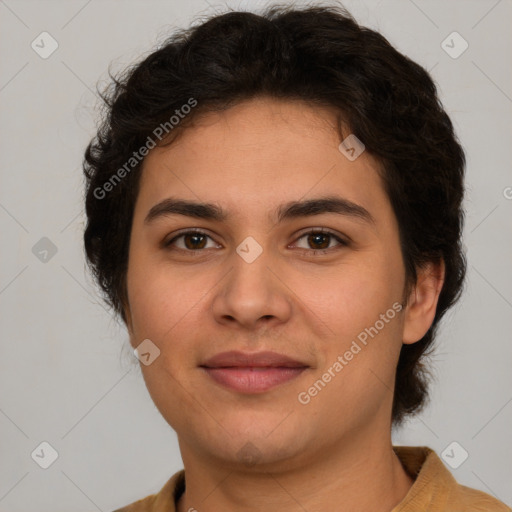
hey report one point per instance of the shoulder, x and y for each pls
(162, 501)
(435, 489)
(142, 505)
(472, 500)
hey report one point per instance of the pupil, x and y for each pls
(193, 244)
(314, 238)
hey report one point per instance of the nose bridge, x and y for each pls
(251, 290)
(250, 281)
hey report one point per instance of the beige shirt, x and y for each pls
(434, 489)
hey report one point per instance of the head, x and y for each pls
(245, 114)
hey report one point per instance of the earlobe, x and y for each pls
(422, 302)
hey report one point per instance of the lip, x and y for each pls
(255, 359)
(252, 373)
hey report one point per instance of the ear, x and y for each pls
(422, 302)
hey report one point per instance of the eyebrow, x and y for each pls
(291, 210)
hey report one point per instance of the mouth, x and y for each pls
(252, 373)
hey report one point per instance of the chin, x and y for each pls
(258, 455)
(263, 425)
(267, 444)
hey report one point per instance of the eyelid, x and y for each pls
(325, 231)
(343, 240)
(186, 231)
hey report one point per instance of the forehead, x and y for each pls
(259, 153)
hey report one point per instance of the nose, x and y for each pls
(252, 294)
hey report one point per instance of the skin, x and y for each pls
(337, 448)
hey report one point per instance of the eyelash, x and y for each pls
(314, 252)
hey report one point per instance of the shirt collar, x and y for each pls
(432, 486)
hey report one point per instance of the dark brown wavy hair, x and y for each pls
(320, 55)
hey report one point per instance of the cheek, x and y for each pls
(349, 297)
(161, 296)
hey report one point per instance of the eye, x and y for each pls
(192, 241)
(195, 241)
(321, 240)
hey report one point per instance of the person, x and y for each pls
(274, 209)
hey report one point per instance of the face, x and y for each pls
(263, 272)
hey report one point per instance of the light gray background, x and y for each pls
(64, 376)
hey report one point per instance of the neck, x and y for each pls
(357, 477)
